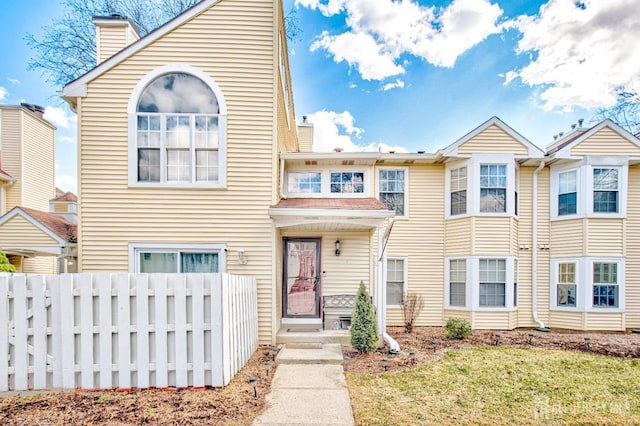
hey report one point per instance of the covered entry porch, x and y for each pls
(325, 247)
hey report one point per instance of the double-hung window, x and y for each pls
(493, 279)
(458, 190)
(567, 289)
(605, 285)
(457, 282)
(396, 281)
(347, 182)
(392, 189)
(567, 193)
(493, 188)
(605, 190)
(178, 133)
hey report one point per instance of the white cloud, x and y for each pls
(3, 93)
(383, 30)
(59, 117)
(66, 139)
(581, 52)
(336, 130)
(67, 183)
(399, 84)
(13, 80)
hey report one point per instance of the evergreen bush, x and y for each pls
(5, 265)
(457, 328)
(364, 328)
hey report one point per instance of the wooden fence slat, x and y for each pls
(121, 282)
(197, 333)
(84, 284)
(67, 335)
(180, 300)
(218, 340)
(21, 356)
(53, 286)
(4, 332)
(103, 284)
(162, 367)
(38, 288)
(142, 327)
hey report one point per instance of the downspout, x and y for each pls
(381, 295)
(534, 253)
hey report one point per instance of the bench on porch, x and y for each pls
(337, 310)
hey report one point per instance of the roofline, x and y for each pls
(372, 156)
(452, 148)
(330, 213)
(18, 211)
(590, 132)
(28, 111)
(78, 88)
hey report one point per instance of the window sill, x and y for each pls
(175, 185)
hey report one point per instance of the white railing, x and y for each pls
(125, 330)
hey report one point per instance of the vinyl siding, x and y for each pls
(19, 232)
(605, 321)
(111, 39)
(494, 236)
(567, 320)
(458, 314)
(568, 238)
(421, 238)
(605, 237)
(305, 137)
(286, 124)
(38, 169)
(457, 232)
(632, 264)
(233, 43)
(606, 142)
(492, 320)
(493, 139)
(39, 265)
(12, 154)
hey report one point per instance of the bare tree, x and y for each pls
(626, 112)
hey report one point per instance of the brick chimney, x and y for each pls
(113, 33)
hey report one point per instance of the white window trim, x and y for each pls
(473, 184)
(584, 284)
(325, 183)
(406, 187)
(584, 184)
(405, 277)
(473, 284)
(447, 280)
(135, 248)
(222, 129)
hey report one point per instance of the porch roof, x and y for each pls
(330, 213)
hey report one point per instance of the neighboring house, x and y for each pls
(190, 160)
(34, 240)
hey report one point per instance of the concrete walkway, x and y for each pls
(308, 388)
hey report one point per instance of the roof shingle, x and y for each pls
(331, 203)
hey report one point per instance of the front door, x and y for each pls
(301, 278)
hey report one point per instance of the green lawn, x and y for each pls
(502, 385)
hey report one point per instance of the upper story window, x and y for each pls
(605, 190)
(567, 193)
(493, 188)
(304, 182)
(589, 190)
(347, 182)
(458, 191)
(392, 189)
(178, 131)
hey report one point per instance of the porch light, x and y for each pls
(242, 259)
(337, 247)
(385, 363)
(267, 367)
(253, 381)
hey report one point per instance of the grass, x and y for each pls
(502, 385)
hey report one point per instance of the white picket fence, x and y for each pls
(125, 330)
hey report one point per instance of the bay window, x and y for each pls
(567, 193)
(605, 285)
(493, 277)
(493, 188)
(458, 282)
(605, 190)
(458, 196)
(566, 290)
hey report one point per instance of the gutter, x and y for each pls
(381, 295)
(534, 253)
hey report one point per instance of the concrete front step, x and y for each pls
(310, 353)
(287, 335)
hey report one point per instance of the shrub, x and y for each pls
(5, 265)
(458, 328)
(412, 304)
(364, 328)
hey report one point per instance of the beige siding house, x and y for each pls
(191, 161)
(35, 240)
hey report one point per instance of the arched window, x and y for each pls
(178, 132)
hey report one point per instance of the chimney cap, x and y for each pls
(338, 149)
(37, 109)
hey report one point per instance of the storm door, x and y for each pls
(301, 278)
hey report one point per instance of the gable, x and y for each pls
(606, 141)
(493, 139)
(18, 232)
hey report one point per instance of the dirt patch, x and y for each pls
(429, 343)
(233, 404)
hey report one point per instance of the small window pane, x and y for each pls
(158, 262)
(347, 182)
(199, 262)
(149, 165)
(206, 165)
(178, 165)
(303, 182)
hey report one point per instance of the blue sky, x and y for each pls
(411, 74)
